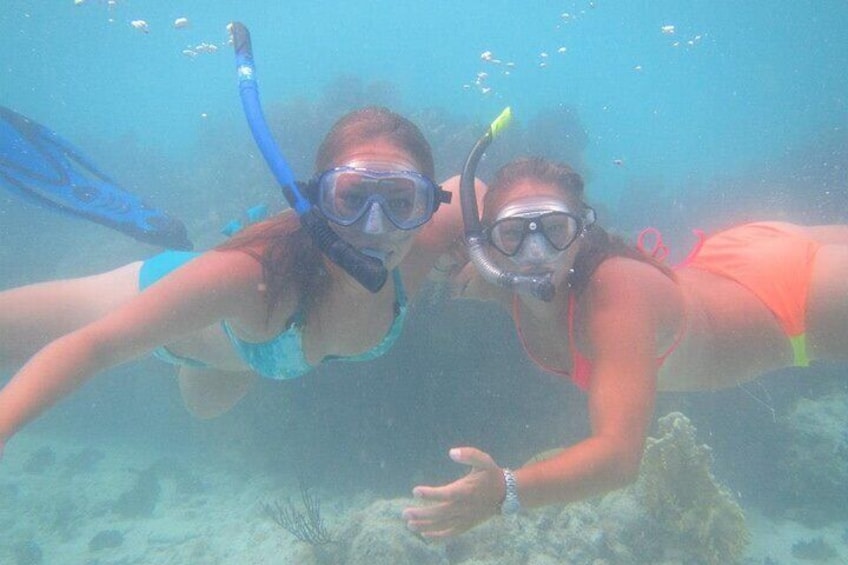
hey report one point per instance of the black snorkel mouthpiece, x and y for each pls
(367, 271)
(540, 286)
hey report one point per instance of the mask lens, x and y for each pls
(404, 201)
(345, 196)
(507, 234)
(559, 228)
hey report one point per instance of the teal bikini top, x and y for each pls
(282, 357)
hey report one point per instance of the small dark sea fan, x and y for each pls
(306, 525)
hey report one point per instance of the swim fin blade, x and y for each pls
(40, 166)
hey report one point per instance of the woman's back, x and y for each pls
(730, 336)
(754, 297)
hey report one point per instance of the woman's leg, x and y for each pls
(208, 393)
(34, 315)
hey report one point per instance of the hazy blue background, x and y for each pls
(746, 121)
(761, 80)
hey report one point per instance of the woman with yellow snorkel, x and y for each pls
(622, 325)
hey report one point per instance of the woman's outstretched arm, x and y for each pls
(214, 286)
(620, 331)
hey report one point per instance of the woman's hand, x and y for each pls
(460, 505)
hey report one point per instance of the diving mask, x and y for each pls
(538, 228)
(344, 195)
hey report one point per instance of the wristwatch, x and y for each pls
(510, 504)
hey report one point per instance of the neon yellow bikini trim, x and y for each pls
(799, 350)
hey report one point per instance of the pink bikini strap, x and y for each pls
(695, 250)
(581, 367)
(657, 251)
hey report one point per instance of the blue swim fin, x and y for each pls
(40, 166)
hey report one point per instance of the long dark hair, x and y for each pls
(290, 261)
(597, 244)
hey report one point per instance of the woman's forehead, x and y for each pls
(533, 186)
(375, 150)
(528, 189)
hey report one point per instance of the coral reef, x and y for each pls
(584, 532)
(813, 550)
(28, 553)
(40, 461)
(376, 534)
(675, 513)
(141, 499)
(68, 517)
(83, 461)
(816, 459)
(106, 539)
(692, 511)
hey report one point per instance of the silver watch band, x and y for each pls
(510, 504)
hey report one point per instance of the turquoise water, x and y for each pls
(740, 112)
(755, 82)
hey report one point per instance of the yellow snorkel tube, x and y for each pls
(540, 286)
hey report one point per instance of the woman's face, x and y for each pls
(533, 229)
(374, 233)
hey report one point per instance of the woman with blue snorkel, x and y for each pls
(328, 279)
(266, 302)
(622, 325)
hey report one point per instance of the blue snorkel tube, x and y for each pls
(540, 286)
(368, 271)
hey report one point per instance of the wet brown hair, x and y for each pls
(370, 123)
(597, 244)
(290, 260)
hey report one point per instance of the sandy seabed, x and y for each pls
(63, 501)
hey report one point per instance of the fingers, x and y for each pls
(425, 519)
(458, 506)
(473, 457)
(434, 522)
(423, 513)
(433, 494)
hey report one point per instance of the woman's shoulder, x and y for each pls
(238, 279)
(626, 297)
(228, 267)
(624, 279)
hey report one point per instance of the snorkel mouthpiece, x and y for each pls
(368, 271)
(540, 286)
